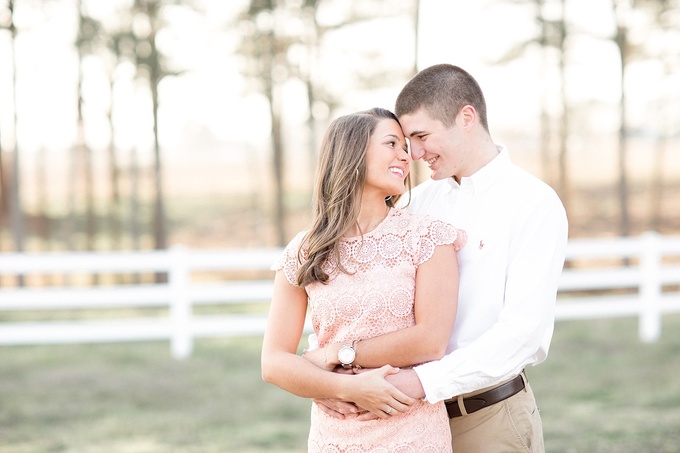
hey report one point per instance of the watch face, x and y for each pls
(346, 355)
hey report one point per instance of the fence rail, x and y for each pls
(602, 278)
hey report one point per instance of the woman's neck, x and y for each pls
(370, 216)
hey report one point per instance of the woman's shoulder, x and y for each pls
(414, 219)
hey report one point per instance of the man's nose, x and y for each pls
(416, 152)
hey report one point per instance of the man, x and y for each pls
(509, 269)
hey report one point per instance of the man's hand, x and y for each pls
(407, 382)
(336, 408)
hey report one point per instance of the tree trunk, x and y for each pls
(666, 123)
(544, 120)
(42, 195)
(268, 62)
(135, 229)
(621, 40)
(16, 214)
(160, 240)
(415, 176)
(114, 182)
(277, 168)
(4, 188)
(563, 164)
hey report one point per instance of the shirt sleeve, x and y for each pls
(289, 261)
(430, 233)
(523, 330)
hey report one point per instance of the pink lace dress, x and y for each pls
(377, 297)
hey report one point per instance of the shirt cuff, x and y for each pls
(427, 374)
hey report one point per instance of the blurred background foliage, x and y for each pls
(138, 124)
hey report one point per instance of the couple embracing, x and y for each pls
(426, 304)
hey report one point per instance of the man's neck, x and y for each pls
(485, 153)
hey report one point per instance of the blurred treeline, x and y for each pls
(135, 45)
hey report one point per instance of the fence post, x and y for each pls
(181, 342)
(650, 288)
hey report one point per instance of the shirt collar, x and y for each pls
(486, 176)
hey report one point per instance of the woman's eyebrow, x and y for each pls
(393, 135)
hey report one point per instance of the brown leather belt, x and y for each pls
(486, 399)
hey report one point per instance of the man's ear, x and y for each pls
(467, 116)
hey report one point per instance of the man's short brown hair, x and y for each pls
(442, 90)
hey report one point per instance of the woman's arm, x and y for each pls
(436, 300)
(282, 367)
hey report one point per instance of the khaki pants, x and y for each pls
(510, 426)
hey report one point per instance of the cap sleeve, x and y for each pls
(288, 261)
(430, 233)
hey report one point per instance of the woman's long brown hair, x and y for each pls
(340, 177)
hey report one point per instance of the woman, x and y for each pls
(356, 270)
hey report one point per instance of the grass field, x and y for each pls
(601, 390)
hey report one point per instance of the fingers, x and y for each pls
(335, 408)
(383, 410)
(328, 411)
(317, 357)
(367, 416)
(381, 398)
(386, 412)
(396, 407)
(403, 398)
(388, 370)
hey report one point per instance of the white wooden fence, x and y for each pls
(603, 278)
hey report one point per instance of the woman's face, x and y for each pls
(387, 160)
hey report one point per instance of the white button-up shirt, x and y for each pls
(509, 272)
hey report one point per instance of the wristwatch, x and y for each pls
(346, 356)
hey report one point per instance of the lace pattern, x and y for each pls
(375, 297)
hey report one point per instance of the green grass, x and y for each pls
(601, 390)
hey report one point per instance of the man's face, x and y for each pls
(439, 146)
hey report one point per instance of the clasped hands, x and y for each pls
(371, 396)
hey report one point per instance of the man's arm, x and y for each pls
(408, 382)
(524, 325)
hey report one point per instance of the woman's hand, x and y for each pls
(377, 397)
(319, 357)
(336, 408)
(369, 396)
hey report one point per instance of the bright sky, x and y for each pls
(210, 118)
